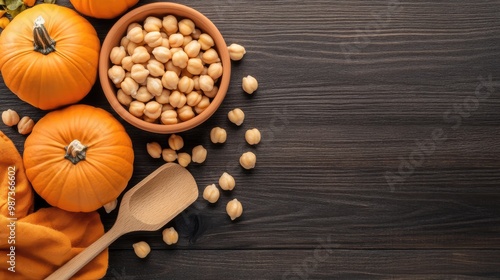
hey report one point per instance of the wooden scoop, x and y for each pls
(148, 206)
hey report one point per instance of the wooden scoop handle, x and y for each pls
(79, 261)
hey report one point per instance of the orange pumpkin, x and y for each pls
(49, 56)
(78, 158)
(105, 9)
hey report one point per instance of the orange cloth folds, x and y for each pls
(35, 244)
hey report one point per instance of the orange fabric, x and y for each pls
(44, 240)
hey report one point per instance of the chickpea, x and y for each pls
(215, 70)
(170, 80)
(170, 236)
(116, 73)
(180, 59)
(196, 80)
(169, 117)
(187, 39)
(196, 34)
(140, 55)
(218, 135)
(210, 56)
(192, 49)
(163, 97)
(177, 99)
(155, 68)
(110, 206)
(141, 249)
(206, 41)
(154, 149)
(135, 34)
(132, 25)
(127, 63)
(10, 117)
(204, 103)
(236, 116)
(152, 110)
(249, 84)
(169, 155)
(153, 39)
(252, 136)
(247, 160)
(199, 154)
(123, 98)
(152, 24)
(143, 94)
(185, 73)
(175, 142)
(186, 26)
(234, 209)
(129, 86)
(162, 54)
(193, 98)
(169, 66)
(131, 48)
(206, 83)
(227, 182)
(176, 40)
(185, 84)
(212, 93)
(154, 86)
(185, 113)
(184, 159)
(25, 125)
(124, 42)
(169, 23)
(211, 193)
(117, 54)
(236, 52)
(136, 108)
(139, 73)
(195, 66)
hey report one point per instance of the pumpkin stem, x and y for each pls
(75, 151)
(41, 40)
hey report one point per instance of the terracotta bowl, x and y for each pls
(161, 9)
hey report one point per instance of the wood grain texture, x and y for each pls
(349, 91)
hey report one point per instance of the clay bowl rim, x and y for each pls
(161, 9)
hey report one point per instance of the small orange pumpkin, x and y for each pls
(49, 56)
(104, 9)
(78, 158)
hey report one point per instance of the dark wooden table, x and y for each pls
(379, 157)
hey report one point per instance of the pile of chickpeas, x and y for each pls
(166, 70)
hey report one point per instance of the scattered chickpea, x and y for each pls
(184, 159)
(10, 117)
(252, 136)
(211, 193)
(234, 209)
(227, 182)
(236, 52)
(169, 155)
(154, 149)
(199, 154)
(170, 236)
(141, 249)
(218, 135)
(25, 125)
(248, 160)
(110, 206)
(249, 84)
(175, 142)
(236, 116)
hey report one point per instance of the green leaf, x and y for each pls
(49, 1)
(13, 4)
